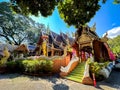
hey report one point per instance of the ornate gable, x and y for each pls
(84, 38)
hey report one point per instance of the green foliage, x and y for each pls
(102, 60)
(30, 66)
(16, 28)
(37, 66)
(11, 64)
(115, 44)
(15, 66)
(76, 12)
(26, 7)
(47, 67)
(95, 67)
(116, 2)
(73, 12)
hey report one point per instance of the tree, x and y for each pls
(115, 44)
(26, 7)
(34, 33)
(73, 12)
(16, 28)
(12, 26)
(116, 2)
(76, 12)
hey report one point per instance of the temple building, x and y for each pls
(55, 43)
(88, 42)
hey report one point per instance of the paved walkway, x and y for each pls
(23, 82)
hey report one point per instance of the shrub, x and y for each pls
(19, 65)
(37, 66)
(95, 67)
(30, 66)
(46, 66)
(15, 66)
(11, 66)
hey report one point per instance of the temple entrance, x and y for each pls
(87, 49)
(85, 52)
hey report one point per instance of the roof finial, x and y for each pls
(105, 38)
(93, 28)
(73, 34)
(55, 38)
(68, 33)
(48, 29)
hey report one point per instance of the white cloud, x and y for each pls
(114, 32)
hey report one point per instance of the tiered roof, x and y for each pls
(59, 41)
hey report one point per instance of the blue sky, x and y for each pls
(107, 19)
(55, 23)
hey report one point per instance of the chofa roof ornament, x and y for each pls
(93, 28)
(105, 38)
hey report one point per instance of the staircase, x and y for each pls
(77, 73)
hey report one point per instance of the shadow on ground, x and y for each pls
(57, 83)
(113, 80)
(60, 87)
(9, 76)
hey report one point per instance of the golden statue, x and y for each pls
(44, 47)
(5, 57)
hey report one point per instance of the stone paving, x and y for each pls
(24, 82)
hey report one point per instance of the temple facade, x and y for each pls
(55, 43)
(89, 43)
